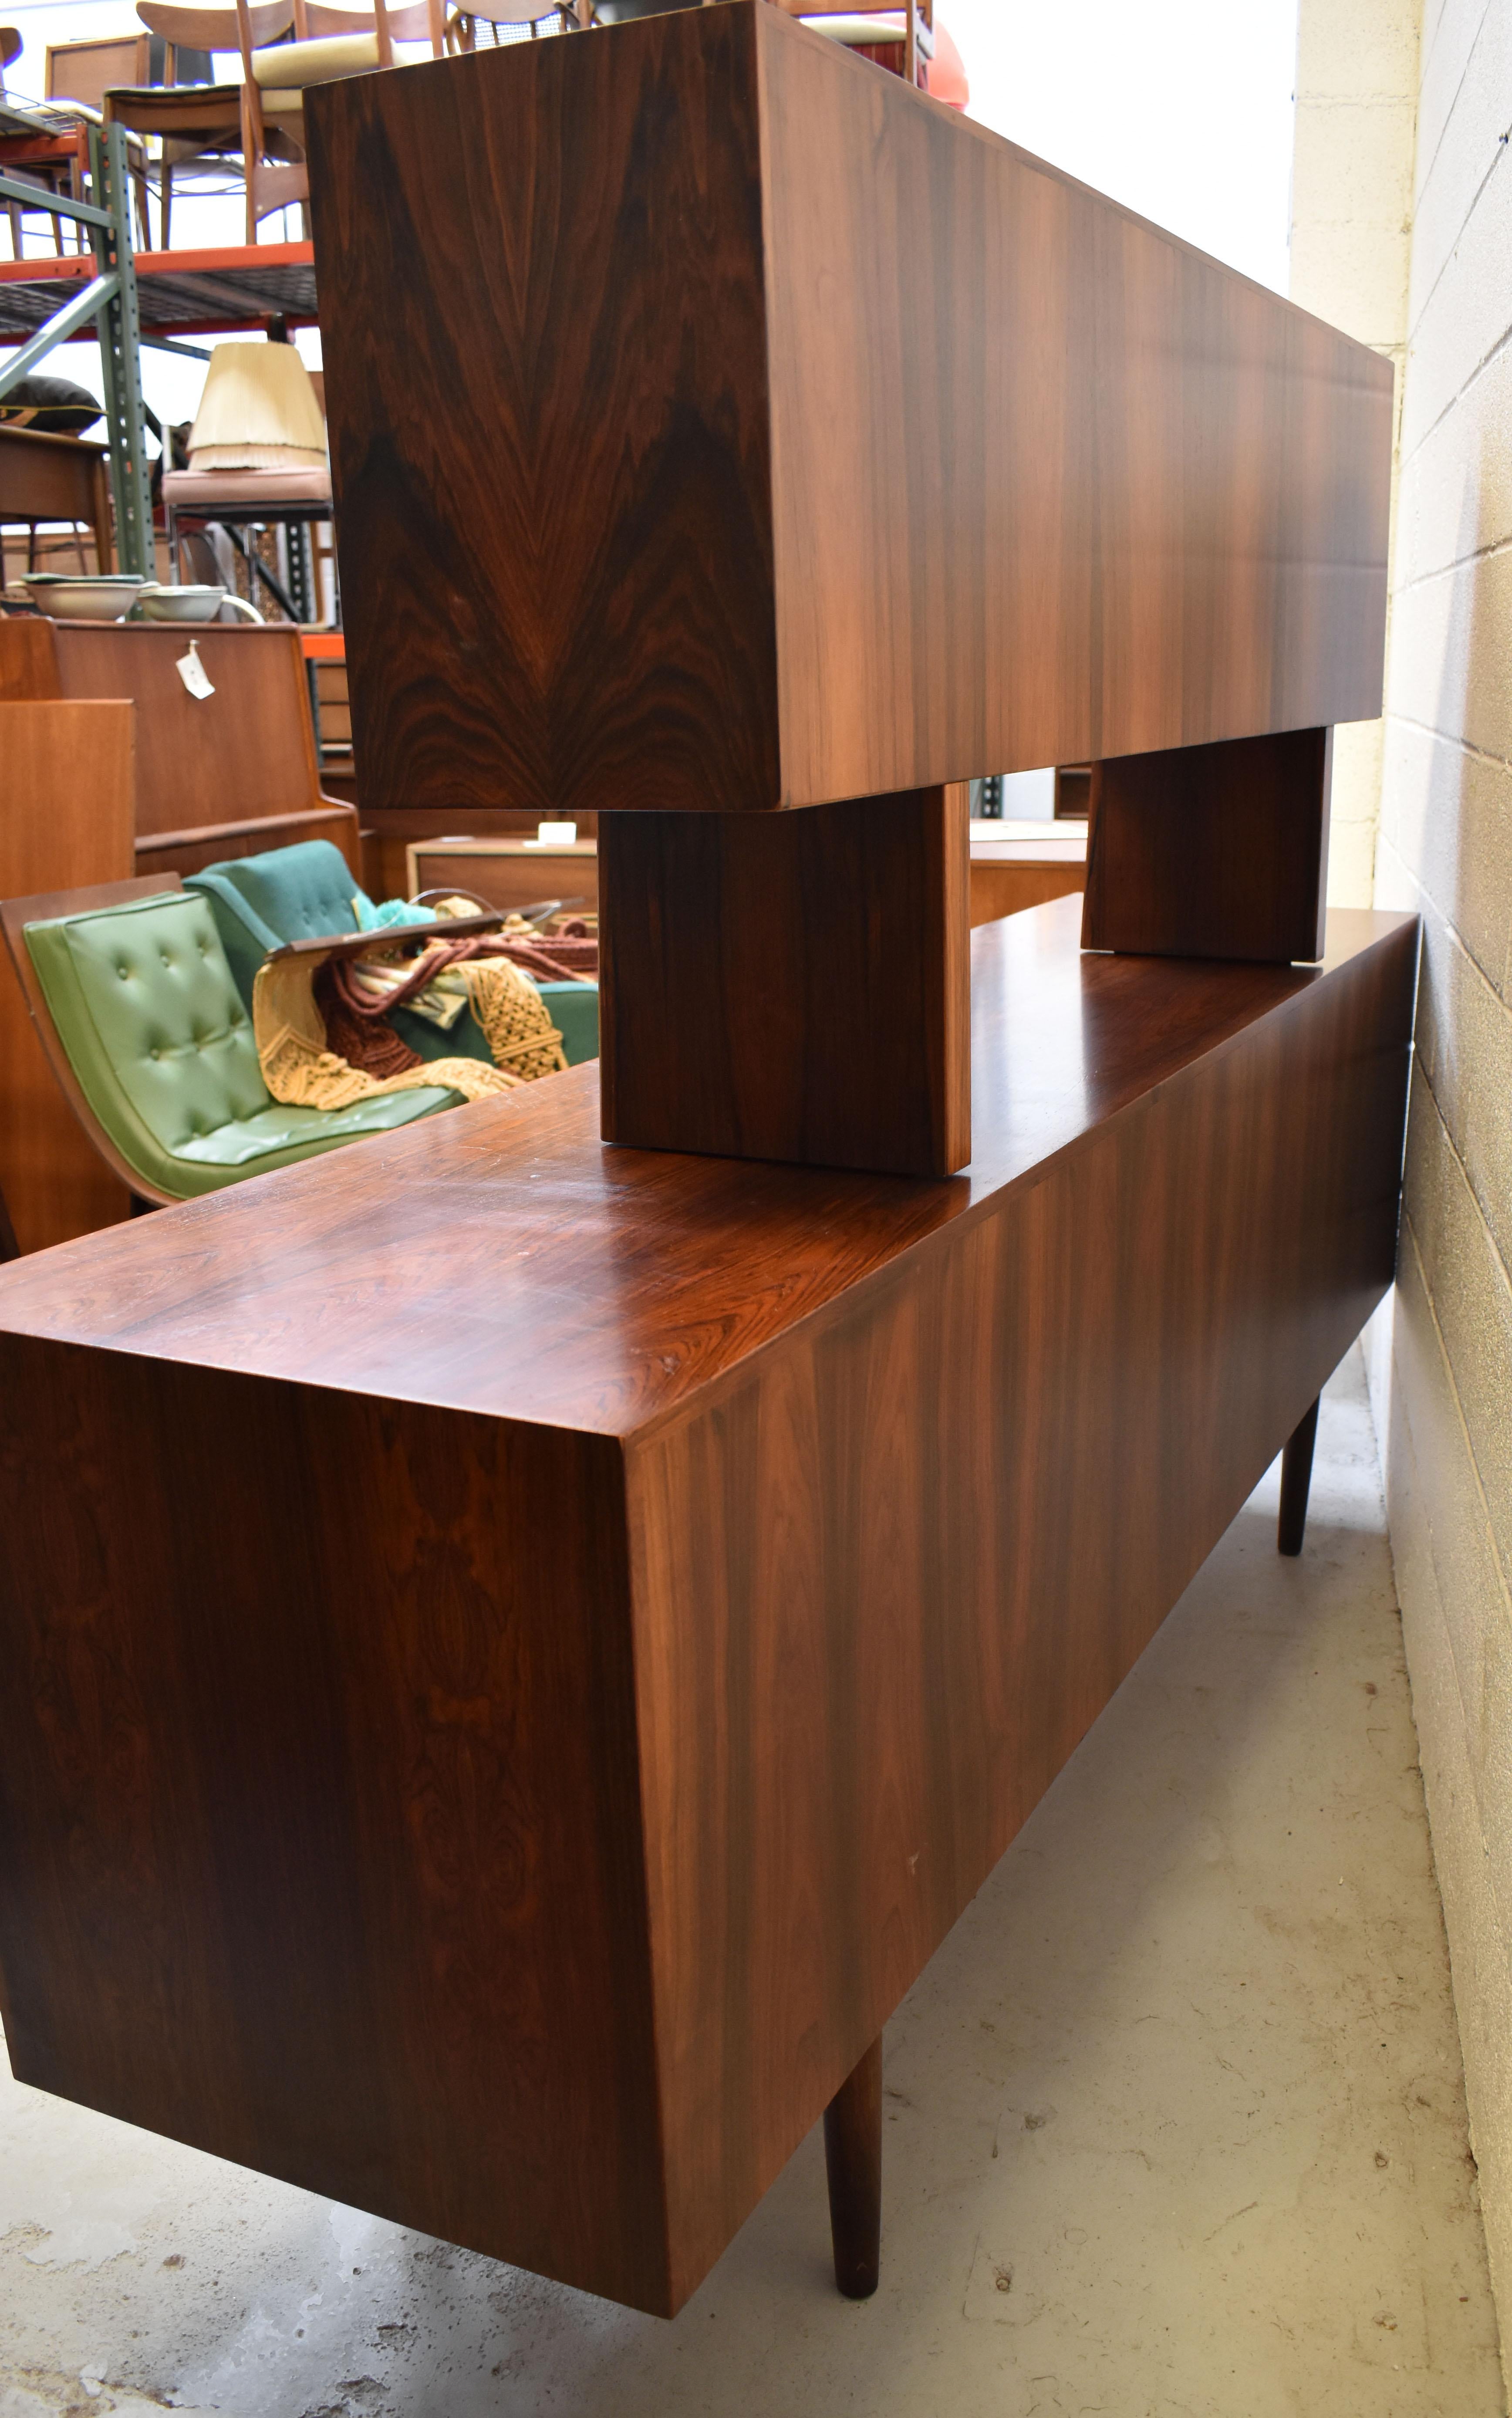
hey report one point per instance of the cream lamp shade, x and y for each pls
(258, 412)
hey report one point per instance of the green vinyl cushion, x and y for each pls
(162, 1048)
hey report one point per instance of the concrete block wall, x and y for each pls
(1442, 1371)
(1351, 211)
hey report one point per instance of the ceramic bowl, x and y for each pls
(180, 604)
(190, 604)
(82, 599)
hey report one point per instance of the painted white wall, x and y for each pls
(1181, 109)
(1351, 243)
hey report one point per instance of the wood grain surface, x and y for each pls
(28, 659)
(542, 316)
(374, 1932)
(1001, 887)
(998, 1467)
(505, 872)
(790, 986)
(69, 798)
(1049, 485)
(676, 1600)
(245, 755)
(389, 833)
(1215, 852)
(527, 1270)
(766, 433)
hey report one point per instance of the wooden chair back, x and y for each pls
(15, 914)
(211, 131)
(534, 13)
(216, 29)
(84, 71)
(272, 144)
(419, 23)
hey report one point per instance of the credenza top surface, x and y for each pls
(501, 1259)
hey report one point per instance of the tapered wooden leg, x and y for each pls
(1296, 1476)
(853, 2157)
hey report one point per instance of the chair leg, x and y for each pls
(1296, 1478)
(853, 2159)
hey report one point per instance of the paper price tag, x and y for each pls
(193, 674)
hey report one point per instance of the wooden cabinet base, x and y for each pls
(517, 1653)
(790, 986)
(1218, 851)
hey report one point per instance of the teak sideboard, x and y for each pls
(521, 1640)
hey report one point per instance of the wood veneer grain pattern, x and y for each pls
(767, 434)
(1049, 483)
(323, 1854)
(1217, 851)
(887, 1574)
(790, 986)
(71, 797)
(525, 1271)
(526, 1835)
(541, 303)
(247, 751)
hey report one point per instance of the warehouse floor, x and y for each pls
(1175, 2119)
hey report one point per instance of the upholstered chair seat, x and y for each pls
(161, 1044)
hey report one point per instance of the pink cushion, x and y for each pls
(200, 490)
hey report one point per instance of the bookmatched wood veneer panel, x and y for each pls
(718, 424)
(791, 987)
(542, 318)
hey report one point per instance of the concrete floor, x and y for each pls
(1175, 2119)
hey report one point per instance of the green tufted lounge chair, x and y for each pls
(304, 894)
(149, 1036)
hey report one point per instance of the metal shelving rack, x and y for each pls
(134, 299)
(110, 299)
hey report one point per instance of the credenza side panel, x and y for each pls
(886, 1580)
(542, 316)
(1048, 485)
(319, 1800)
